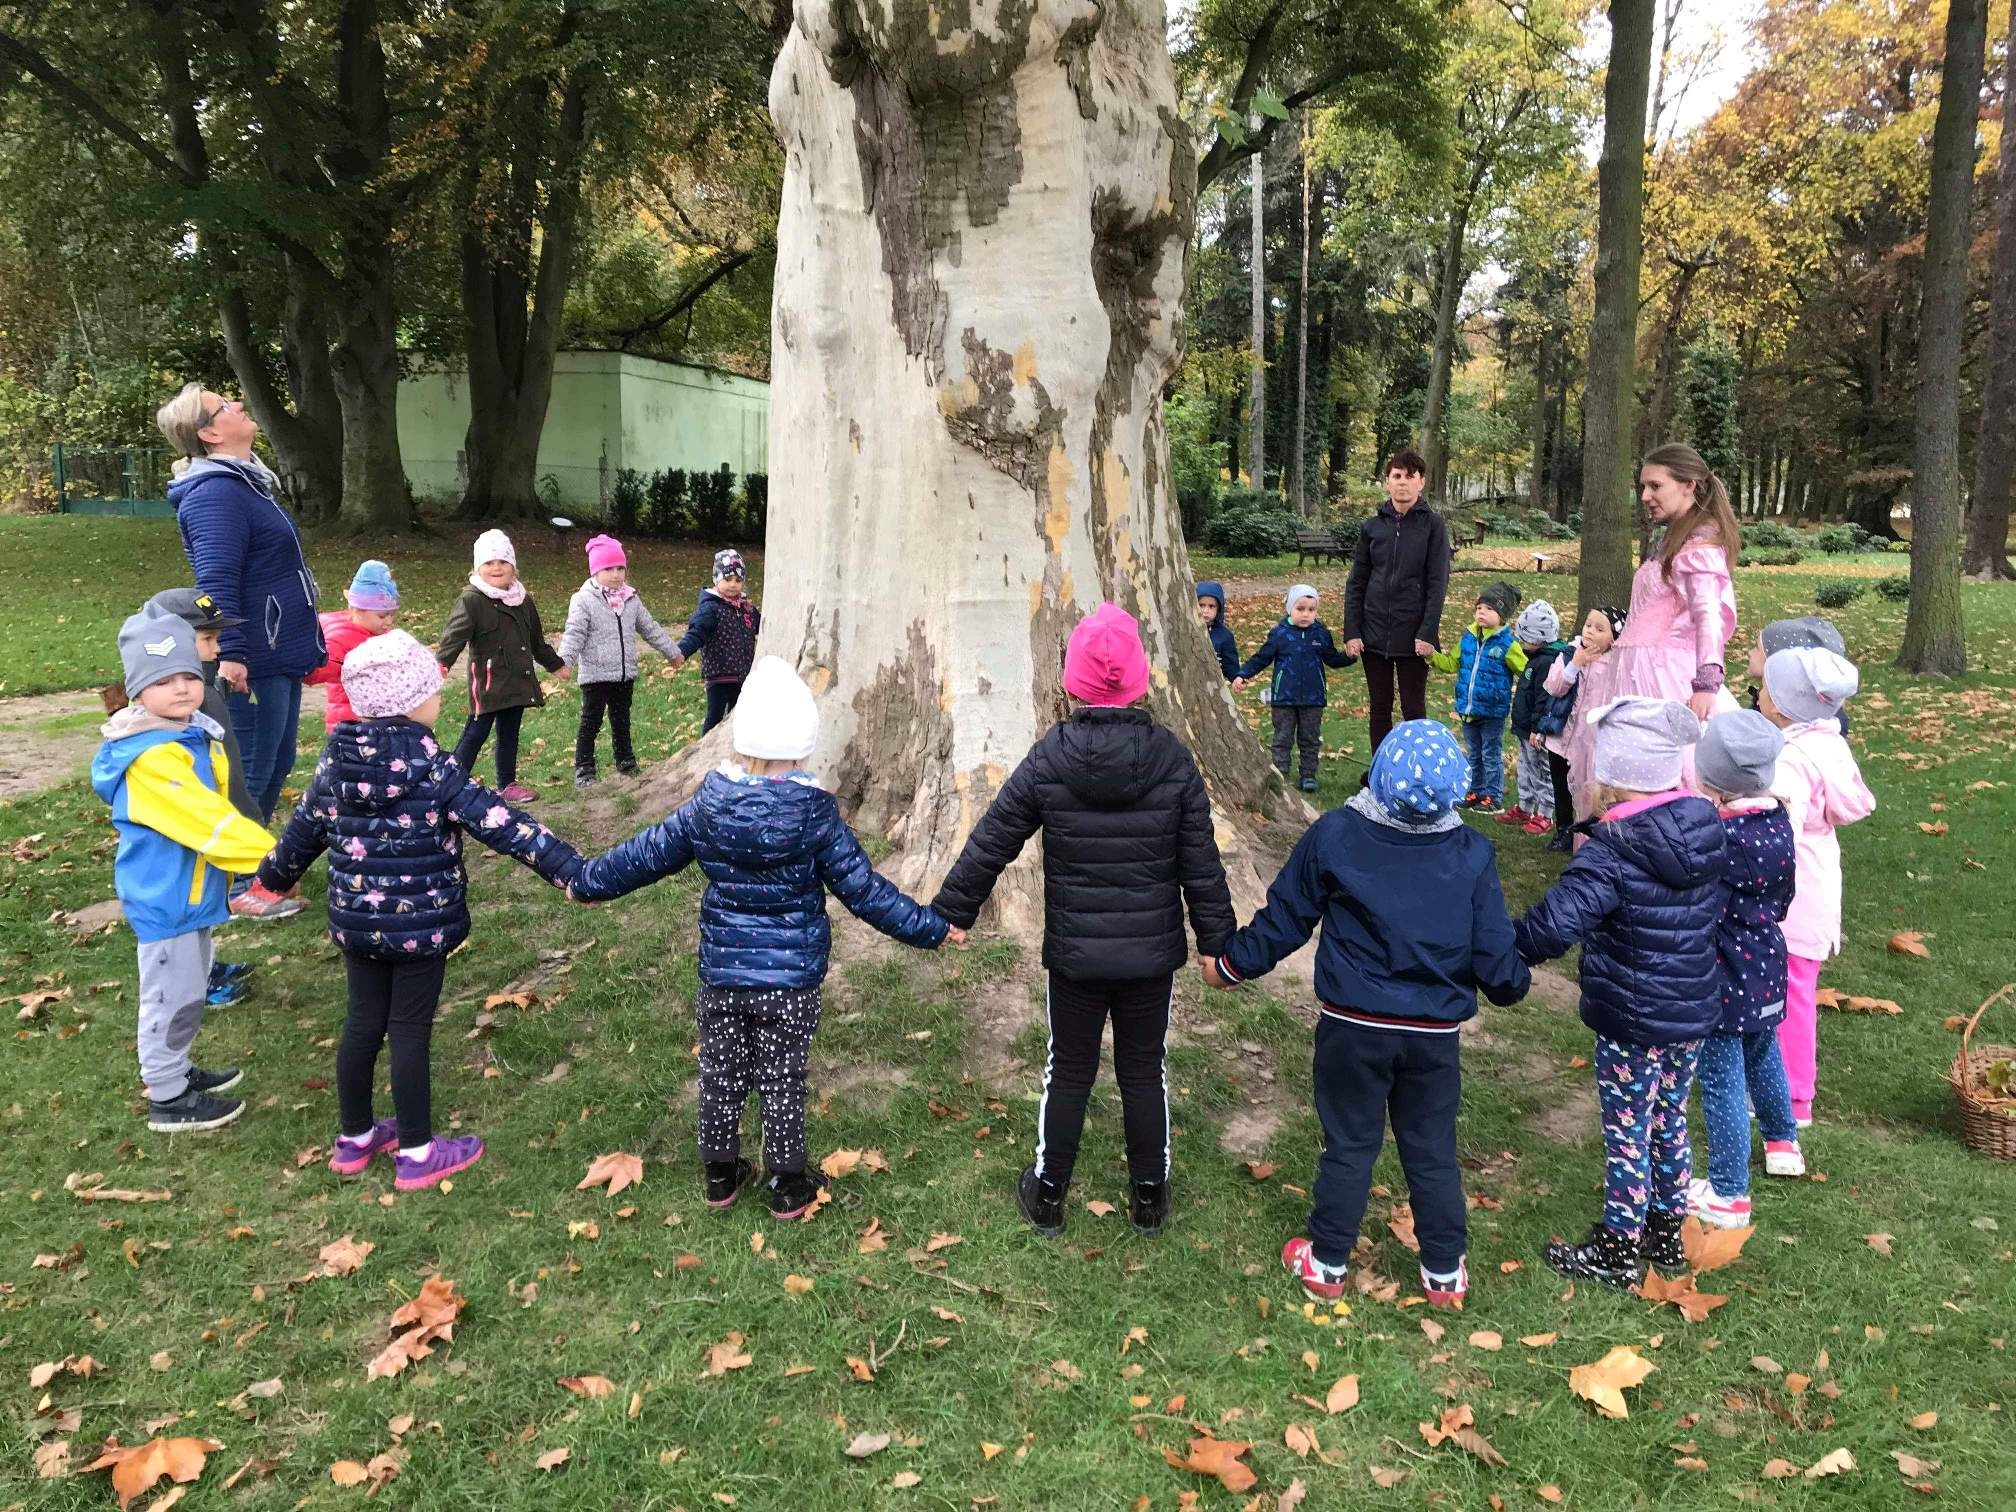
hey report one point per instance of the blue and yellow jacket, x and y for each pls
(1487, 666)
(178, 833)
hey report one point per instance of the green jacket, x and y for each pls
(504, 643)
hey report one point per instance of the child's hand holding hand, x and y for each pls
(956, 935)
(1422, 648)
(1239, 685)
(1538, 742)
(1212, 976)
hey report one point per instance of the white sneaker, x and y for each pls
(1802, 1123)
(1783, 1157)
(1711, 1207)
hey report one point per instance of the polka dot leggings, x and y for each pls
(760, 1038)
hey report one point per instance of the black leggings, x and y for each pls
(1381, 672)
(390, 1001)
(721, 700)
(1078, 1012)
(470, 746)
(596, 697)
(1564, 801)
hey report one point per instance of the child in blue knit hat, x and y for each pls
(373, 598)
(1414, 927)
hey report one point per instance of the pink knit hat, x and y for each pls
(1104, 663)
(605, 551)
(389, 675)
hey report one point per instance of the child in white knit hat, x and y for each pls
(497, 621)
(772, 844)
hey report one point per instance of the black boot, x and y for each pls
(1604, 1256)
(1661, 1247)
(1148, 1206)
(1561, 840)
(725, 1180)
(1042, 1202)
(793, 1193)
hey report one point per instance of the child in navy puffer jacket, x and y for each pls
(1211, 615)
(390, 807)
(1643, 898)
(771, 842)
(1487, 666)
(1735, 765)
(1299, 648)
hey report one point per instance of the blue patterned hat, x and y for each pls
(1420, 773)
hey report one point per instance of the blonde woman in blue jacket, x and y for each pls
(163, 770)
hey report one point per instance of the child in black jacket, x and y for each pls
(723, 629)
(1414, 926)
(1127, 844)
(1538, 630)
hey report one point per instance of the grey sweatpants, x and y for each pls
(1297, 724)
(174, 982)
(1536, 782)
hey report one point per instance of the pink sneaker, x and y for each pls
(352, 1155)
(443, 1159)
(1446, 1291)
(1783, 1157)
(1712, 1208)
(258, 902)
(1299, 1256)
(517, 792)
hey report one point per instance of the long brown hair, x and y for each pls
(1711, 514)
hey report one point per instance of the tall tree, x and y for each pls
(1607, 506)
(1987, 551)
(1256, 391)
(1298, 449)
(1935, 638)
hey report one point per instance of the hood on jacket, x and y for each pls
(1679, 842)
(1844, 795)
(375, 763)
(133, 730)
(758, 822)
(1111, 756)
(254, 474)
(1216, 592)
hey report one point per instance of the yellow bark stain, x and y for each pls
(1161, 678)
(819, 679)
(995, 776)
(955, 398)
(1025, 362)
(1057, 521)
(945, 692)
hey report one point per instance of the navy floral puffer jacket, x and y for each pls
(1643, 898)
(390, 806)
(770, 848)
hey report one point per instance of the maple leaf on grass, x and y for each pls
(1605, 1381)
(1694, 1305)
(417, 1326)
(841, 1163)
(1220, 1458)
(726, 1355)
(553, 1459)
(1710, 1249)
(1909, 942)
(617, 1169)
(588, 1386)
(1459, 1424)
(342, 1256)
(1341, 1397)
(866, 1444)
(136, 1469)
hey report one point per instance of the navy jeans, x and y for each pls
(1486, 740)
(1732, 1065)
(267, 722)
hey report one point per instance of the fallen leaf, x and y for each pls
(841, 1163)
(1796, 1383)
(1906, 942)
(988, 1451)
(1922, 1420)
(616, 1169)
(1100, 1208)
(1384, 1478)
(348, 1473)
(1937, 827)
(265, 1391)
(1260, 1170)
(1691, 1462)
(873, 1239)
(687, 1261)
(903, 1480)
(1712, 1248)
(1832, 1463)
(1220, 1458)
(860, 1367)
(1604, 1382)
(1510, 1267)
(1486, 1340)
(1911, 1467)
(340, 1257)
(583, 1228)
(1459, 1424)
(1779, 1469)
(1341, 1397)
(798, 1370)
(553, 1459)
(588, 1386)
(559, 1073)
(1694, 1304)
(1401, 1221)
(1290, 1499)
(418, 1325)
(938, 1242)
(52, 1459)
(866, 1444)
(1433, 1330)
(1880, 1243)
(725, 1356)
(797, 1285)
(1766, 1364)
(1135, 1335)
(1299, 1439)
(136, 1469)
(1071, 1372)
(1549, 1493)
(1538, 1341)
(161, 1361)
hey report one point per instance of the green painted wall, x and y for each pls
(634, 411)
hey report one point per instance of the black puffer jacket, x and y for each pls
(1127, 842)
(1644, 898)
(1399, 578)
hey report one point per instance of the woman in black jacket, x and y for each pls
(1127, 844)
(1393, 600)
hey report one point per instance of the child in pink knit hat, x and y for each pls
(1127, 848)
(604, 619)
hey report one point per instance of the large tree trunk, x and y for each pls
(1605, 576)
(1298, 451)
(1256, 399)
(365, 367)
(1435, 449)
(1934, 636)
(978, 302)
(306, 435)
(1542, 361)
(1987, 553)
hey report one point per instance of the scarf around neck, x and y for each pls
(514, 595)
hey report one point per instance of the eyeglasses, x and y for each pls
(210, 419)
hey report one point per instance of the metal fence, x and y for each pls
(112, 480)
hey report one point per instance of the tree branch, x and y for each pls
(81, 102)
(684, 302)
(1259, 50)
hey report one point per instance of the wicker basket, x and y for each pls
(1987, 1122)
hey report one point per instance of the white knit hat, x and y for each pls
(1809, 684)
(775, 719)
(495, 546)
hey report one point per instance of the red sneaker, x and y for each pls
(1320, 1283)
(1535, 825)
(1513, 815)
(1447, 1291)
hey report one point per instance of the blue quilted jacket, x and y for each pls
(770, 849)
(390, 807)
(1298, 655)
(1484, 678)
(1644, 899)
(1761, 866)
(246, 554)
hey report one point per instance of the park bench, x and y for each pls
(1324, 541)
(1466, 533)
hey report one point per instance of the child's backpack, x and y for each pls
(1556, 712)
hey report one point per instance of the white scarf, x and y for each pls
(514, 595)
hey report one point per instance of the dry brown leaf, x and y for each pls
(865, 1444)
(1384, 1478)
(52, 1459)
(1694, 1304)
(1691, 1462)
(1880, 1243)
(135, 1470)
(988, 1451)
(873, 1239)
(265, 1391)
(1220, 1458)
(1433, 1330)
(1299, 1439)
(617, 1169)
(1486, 1340)
(1290, 1499)
(1605, 1381)
(860, 1367)
(1908, 942)
(1549, 1493)
(417, 1326)
(1341, 1397)
(342, 1256)
(553, 1459)
(725, 1356)
(797, 1285)
(1766, 1364)
(1834, 1462)
(1779, 1469)
(1460, 1424)
(588, 1386)
(348, 1473)
(1936, 827)
(1922, 1420)
(1401, 1221)
(903, 1480)
(1796, 1383)
(1538, 1341)
(1911, 1467)
(118, 1194)
(1070, 1372)
(841, 1163)
(1712, 1248)
(1099, 1208)
(939, 1242)
(1260, 1170)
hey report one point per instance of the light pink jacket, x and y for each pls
(1821, 787)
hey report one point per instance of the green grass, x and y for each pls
(1224, 1330)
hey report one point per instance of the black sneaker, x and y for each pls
(1661, 1247)
(1561, 840)
(626, 769)
(192, 1113)
(1148, 1206)
(725, 1180)
(1603, 1256)
(1042, 1202)
(584, 779)
(793, 1193)
(214, 1081)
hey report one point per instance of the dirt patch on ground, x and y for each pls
(1571, 1118)
(34, 757)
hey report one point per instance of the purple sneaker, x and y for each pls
(352, 1155)
(444, 1159)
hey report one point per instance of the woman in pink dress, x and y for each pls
(1683, 604)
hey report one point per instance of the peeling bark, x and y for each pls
(978, 302)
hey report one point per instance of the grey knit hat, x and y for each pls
(1539, 623)
(1503, 598)
(1806, 630)
(1808, 683)
(1738, 754)
(1640, 742)
(155, 646)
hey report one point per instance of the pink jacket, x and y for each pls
(1821, 788)
(344, 635)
